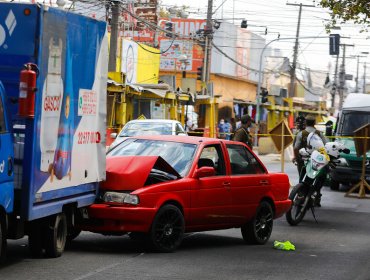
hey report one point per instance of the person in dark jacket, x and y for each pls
(242, 134)
(300, 123)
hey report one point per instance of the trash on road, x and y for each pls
(286, 246)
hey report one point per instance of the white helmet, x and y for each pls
(334, 148)
(314, 142)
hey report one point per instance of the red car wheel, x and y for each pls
(167, 229)
(258, 230)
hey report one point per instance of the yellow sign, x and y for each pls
(281, 135)
(147, 65)
(140, 63)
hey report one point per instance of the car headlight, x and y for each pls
(131, 199)
(118, 197)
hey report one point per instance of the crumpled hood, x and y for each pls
(131, 172)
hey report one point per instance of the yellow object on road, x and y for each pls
(286, 246)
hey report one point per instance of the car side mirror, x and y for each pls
(113, 135)
(205, 171)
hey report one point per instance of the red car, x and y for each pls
(160, 187)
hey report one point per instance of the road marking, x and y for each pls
(96, 271)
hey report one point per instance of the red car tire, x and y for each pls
(167, 230)
(258, 230)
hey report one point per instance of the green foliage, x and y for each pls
(357, 11)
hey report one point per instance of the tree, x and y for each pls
(357, 11)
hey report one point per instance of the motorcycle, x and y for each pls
(319, 159)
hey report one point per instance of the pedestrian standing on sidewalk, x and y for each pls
(221, 129)
(227, 130)
(242, 134)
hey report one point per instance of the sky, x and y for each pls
(281, 18)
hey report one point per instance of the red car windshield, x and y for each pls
(178, 155)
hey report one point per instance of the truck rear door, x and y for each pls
(6, 159)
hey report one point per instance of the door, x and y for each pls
(6, 159)
(211, 198)
(249, 182)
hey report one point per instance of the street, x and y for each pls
(336, 247)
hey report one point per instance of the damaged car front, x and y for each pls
(140, 172)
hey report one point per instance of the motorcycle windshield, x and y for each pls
(313, 170)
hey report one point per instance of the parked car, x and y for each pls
(159, 187)
(148, 127)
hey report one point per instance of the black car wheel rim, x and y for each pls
(168, 229)
(264, 221)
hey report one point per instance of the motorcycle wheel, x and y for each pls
(298, 210)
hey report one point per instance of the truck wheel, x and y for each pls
(56, 236)
(35, 239)
(2, 241)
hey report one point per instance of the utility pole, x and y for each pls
(342, 76)
(208, 43)
(294, 65)
(113, 37)
(364, 89)
(335, 85)
(358, 63)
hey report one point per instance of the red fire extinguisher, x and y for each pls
(27, 90)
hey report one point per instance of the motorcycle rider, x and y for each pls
(297, 160)
(301, 142)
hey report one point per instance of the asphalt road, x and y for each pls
(336, 247)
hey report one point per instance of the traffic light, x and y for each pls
(168, 27)
(200, 73)
(334, 41)
(264, 94)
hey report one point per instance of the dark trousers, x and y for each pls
(301, 169)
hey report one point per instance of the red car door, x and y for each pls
(211, 197)
(249, 182)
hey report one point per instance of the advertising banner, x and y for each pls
(140, 63)
(172, 49)
(71, 105)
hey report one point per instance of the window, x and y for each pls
(242, 161)
(213, 154)
(2, 117)
(179, 129)
(352, 120)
